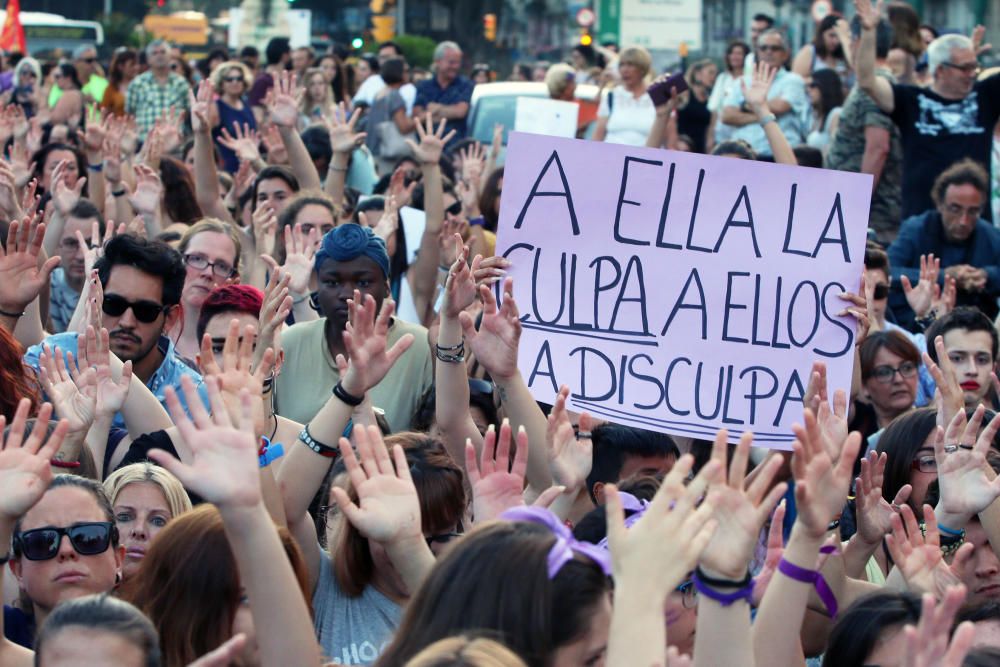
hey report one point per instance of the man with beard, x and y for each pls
(350, 258)
(142, 283)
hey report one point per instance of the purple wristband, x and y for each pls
(813, 577)
(725, 599)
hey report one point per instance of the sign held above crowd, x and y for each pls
(678, 292)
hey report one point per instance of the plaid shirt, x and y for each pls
(147, 100)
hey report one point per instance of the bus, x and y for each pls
(49, 34)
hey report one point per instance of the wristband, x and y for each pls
(951, 531)
(64, 464)
(95, 167)
(341, 393)
(722, 583)
(454, 354)
(725, 599)
(118, 193)
(14, 315)
(269, 451)
(478, 221)
(813, 577)
(832, 525)
(323, 450)
(769, 118)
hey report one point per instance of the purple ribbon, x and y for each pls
(630, 504)
(813, 577)
(562, 551)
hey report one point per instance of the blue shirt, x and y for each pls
(459, 90)
(169, 373)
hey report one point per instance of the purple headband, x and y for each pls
(562, 551)
(630, 504)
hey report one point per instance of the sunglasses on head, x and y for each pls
(88, 539)
(144, 311)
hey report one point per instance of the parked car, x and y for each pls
(497, 103)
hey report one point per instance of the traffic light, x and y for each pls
(586, 39)
(357, 43)
(383, 28)
(490, 27)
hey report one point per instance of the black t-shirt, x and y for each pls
(693, 120)
(138, 451)
(938, 132)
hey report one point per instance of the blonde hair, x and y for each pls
(466, 652)
(220, 71)
(638, 56)
(173, 491)
(558, 79)
(306, 105)
(217, 226)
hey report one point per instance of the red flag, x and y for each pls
(12, 34)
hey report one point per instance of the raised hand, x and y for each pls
(832, 423)
(366, 343)
(234, 373)
(388, 222)
(274, 311)
(224, 469)
(94, 248)
(867, 14)
(225, 655)
(388, 509)
(25, 471)
(874, 513)
(495, 343)
(245, 143)
(919, 558)
(300, 249)
(739, 512)
(9, 205)
(756, 94)
(491, 270)
(65, 197)
(341, 125)
(928, 643)
(497, 484)
(649, 554)
(113, 154)
(97, 128)
(948, 396)
(73, 393)
(399, 189)
(571, 456)
(922, 297)
(460, 290)
(473, 162)
(200, 106)
(822, 480)
(271, 138)
(265, 227)
(282, 108)
(21, 278)
(446, 240)
(978, 34)
(432, 142)
(148, 192)
(19, 157)
(944, 303)
(966, 489)
(775, 549)
(94, 352)
(468, 194)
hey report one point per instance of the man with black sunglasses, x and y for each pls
(142, 283)
(88, 68)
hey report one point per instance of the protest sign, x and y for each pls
(540, 115)
(678, 292)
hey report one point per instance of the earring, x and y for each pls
(118, 579)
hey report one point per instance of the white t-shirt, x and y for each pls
(409, 94)
(629, 119)
(371, 87)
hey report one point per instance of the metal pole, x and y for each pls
(401, 17)
(107, 7)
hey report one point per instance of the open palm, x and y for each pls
(496, 484)
(21, 279)
(495, 343)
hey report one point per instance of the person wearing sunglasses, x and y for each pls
(231, 81)
(951, 119)
(141, 282)
(61, 530)
(88, 69)
(211, 251)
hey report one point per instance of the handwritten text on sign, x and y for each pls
(679, 292)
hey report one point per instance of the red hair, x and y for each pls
(230, 299)
(18, 381)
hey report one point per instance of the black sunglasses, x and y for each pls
(454, 209)
(88, 539)
(144, 311)
(881, 291)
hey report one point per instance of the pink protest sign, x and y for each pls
(678, 292)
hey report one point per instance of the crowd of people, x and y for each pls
(249, 418)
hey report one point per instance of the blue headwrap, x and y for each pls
(351, 241)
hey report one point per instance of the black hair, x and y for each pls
(828, 22)
(372, 60)
(249, 52)
(766, 18)
(964, 317)
(85, 210)
(393, 70)
(588, 53)
(876, 258)
(859, 629)
(614, 442)
(391, 45)
(424, 416)
(593, 527)
(68, 71)
(276, 49)
(982, 656)
(317, 142)
(153, 257)
(273, 171)
(901, 440)
(808, 156)
(102, 613)
(883, 36)
(737, 147)
(735, 44)
(42, 154)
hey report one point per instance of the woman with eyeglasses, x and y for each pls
(61, 529)
(211, 250)
(69, 109)
(231, 81)
(27, 87)
(889, 367)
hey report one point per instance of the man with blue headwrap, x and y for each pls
(351, 257)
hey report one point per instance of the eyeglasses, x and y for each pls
(970, 212)
(233, 79)
(968, 68)
(28, 74)
(88, 60)
(770, 47)
(144, 311)
(881, 291)
(454, 209)
(88, 539)
(885, 374)
(689, 593)
(443, 538)
(200, 263)
(926, 463)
